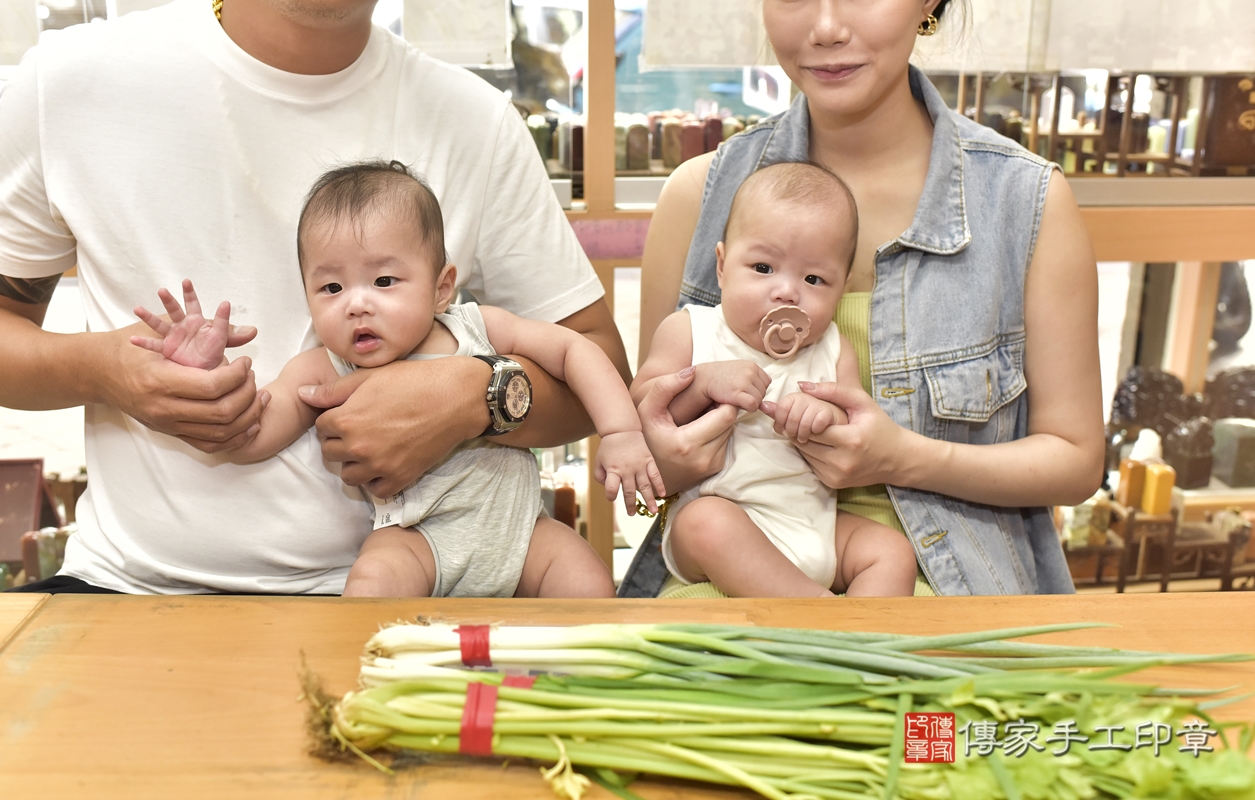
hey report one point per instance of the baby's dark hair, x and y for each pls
(386, 187)
(796, 182)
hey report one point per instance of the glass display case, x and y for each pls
(1100, 122)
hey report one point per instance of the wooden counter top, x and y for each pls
(15, 610)
(197, 697)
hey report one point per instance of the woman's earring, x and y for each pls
(928, 27)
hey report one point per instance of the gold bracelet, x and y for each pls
(663, 505)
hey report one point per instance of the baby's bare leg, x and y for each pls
(714, 539)
(873, 560)
(393, 562)
(561, 564)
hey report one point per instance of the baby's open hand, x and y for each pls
(734, 383)
(188, 338)
(624, 460)
(800, 416)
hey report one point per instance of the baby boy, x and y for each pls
(765, 526)
(370, 243)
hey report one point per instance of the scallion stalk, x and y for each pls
(789, 714)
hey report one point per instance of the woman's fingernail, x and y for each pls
(687, 371)
(805, 385)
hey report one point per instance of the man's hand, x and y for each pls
(733, 383)
(624, 460)
(387, 426)
(212, 410)
(189, 390)
(799, 416)
(188, 338)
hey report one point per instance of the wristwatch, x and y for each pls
(509, 395)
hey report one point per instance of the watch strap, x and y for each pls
(494, 360)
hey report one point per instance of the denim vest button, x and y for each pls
(896, 391)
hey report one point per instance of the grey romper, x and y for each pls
(477, 508)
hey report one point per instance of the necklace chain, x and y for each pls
(218, 10)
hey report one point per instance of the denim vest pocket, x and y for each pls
(973, 389)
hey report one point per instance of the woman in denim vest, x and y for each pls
(973, 301)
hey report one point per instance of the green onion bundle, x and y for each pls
(787, 713)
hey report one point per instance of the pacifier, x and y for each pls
(783, 331)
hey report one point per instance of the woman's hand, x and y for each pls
(869, 449)
(685, 454)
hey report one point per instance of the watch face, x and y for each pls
(518, 397)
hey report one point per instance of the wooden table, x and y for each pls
(197, 697)
(15, 610)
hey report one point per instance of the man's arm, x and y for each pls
(211, 410)
(23, 307)
(529, 259)
(623, 459)
(566, 356)
(388, 426)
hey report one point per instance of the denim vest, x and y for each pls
(947, 328)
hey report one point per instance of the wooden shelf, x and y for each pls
(1172, 233)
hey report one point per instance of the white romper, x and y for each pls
(477, 508)
(764, 473)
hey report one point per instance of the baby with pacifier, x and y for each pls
(765, 526)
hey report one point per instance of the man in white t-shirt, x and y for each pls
(179, 143)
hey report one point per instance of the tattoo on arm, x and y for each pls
(35, 291)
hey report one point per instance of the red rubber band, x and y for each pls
(474, 644)
(518, 681)
(475, 736)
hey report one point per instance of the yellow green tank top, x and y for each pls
(872, 502)
(867, 501)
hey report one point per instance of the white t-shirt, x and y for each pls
(152, 148)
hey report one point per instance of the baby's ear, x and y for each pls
(446, 287)
(720, 251)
